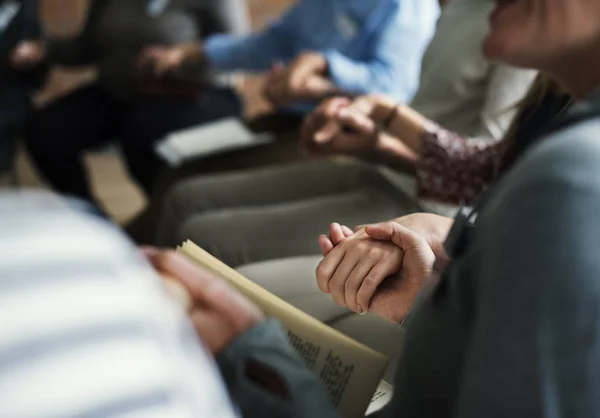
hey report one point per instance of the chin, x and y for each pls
(500, 49)
(494, 49)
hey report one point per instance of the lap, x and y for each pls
(293, 280)
(150, 119)
(287, 229)
(274, 185)
(78, 121)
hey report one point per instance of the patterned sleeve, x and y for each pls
(453, 170)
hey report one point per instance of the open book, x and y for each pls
(351, 371)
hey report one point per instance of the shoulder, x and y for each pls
(542, 219)
(570, 155)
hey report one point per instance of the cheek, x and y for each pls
(512, 44)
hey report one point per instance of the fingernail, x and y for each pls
(359, 310)
(343, 113)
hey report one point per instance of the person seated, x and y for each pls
(130, 103)
(22, 70)
(143, 91)
(277, 212)
(472, 168)
(318, 49)
(92, 331)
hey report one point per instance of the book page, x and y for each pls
(350, 370)
(381, 397)
(209, 139)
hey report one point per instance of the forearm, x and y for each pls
(266, 378)
(401, 122)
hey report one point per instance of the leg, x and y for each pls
(152, 119)
(283, 150)
(57, 135)
(246, 235)
(293, 280)
(259, 188)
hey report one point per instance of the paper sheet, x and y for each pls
(210, 139)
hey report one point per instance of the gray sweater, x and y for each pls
(512, 331)
(117, 30)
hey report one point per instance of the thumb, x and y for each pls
(418, 255)
(392, 231)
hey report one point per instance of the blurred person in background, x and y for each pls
(92, 331)
(459, 90)
(22, 70)
(134, 101)
(316, 49)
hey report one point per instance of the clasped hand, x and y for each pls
(220, 314)
(303, 79)
(380, 268)
(342, 126)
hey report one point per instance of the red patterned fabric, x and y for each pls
(453, 170)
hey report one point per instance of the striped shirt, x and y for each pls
(85, 327)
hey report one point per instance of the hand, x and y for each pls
(341, 126)
(434, 228)
(360, 272)
(304, 79)
(220, 314)
(159, 61)
(27, 55)
(354, 272)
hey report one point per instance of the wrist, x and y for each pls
(384, 106)
(192, 52)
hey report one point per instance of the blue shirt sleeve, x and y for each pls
(255, 52)
(394, 64)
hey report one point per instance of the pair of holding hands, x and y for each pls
(380, 268)
(160, 61)
(304, 79)
(341, 125)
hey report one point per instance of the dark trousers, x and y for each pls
(58, 135)
(15, 108)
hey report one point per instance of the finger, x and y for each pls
(357, 121)
(361, 227)
(337, 284)
(325, 244)
(336, 233)
(355, 279)
(207, 289)
(327, 267)
(347, 231)
(214, 331)
(371, 282)
(394, 232)
(149, 251)
(327, 133)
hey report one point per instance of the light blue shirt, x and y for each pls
(372, 46)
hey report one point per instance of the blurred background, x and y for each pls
(113, 187)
